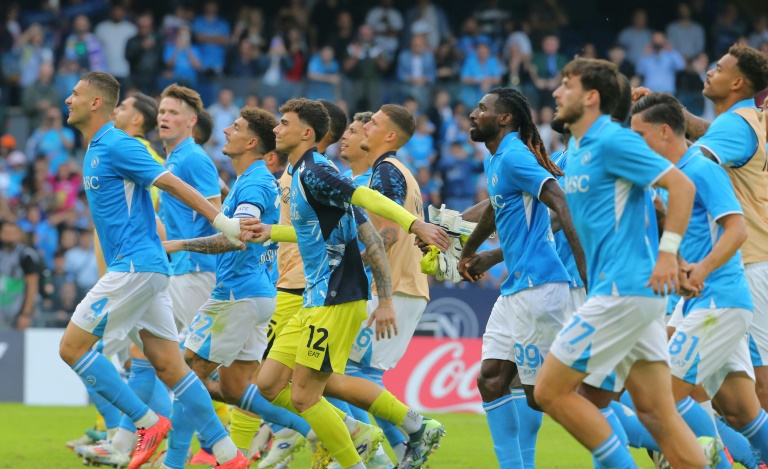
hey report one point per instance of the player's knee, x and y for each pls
(531, 400)
(230, 393)
(543, 397)
(268, 389)
(490, 386)
(69, 352)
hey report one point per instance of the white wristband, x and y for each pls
(230, 227)
(670, 242)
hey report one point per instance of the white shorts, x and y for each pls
(709, 344)
(384, 354)
(189, 292)
(123, 303)
(120, 349)
(225, 331)
(757, 277)
(577, 297)
(611, 333)
(522, 327)
(607, 382)
(676, 318)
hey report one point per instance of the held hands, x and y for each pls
(692, 278)
(474, 267)
(638, 93)
(254, 231)
(230, 227)
(172, 247)
(385, 318)
(431, 234)
(665, 278)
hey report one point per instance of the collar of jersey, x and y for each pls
(745, 103)
(688, 156)
(253, 167)
(505, 143)
(306, 154)
(183, 144)
(103, 130)
(389, 154)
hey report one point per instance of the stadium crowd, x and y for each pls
(436, 61)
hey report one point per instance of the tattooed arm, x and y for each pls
(215, 244)
(695, 127)
(376, 255)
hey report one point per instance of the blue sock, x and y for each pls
(391, 432)
(99, 373)
(198, 406)
(362, 416)
(111, 414)
(161, 399)
(276, 427)
(142, 379)
(701, 423)
(503, 422)
(341, 405)
(737, 445)
(253, 401)
(180, 437)
(615, 423)
(757, 433)
(614, 455)
(530, 423)
(637, 435)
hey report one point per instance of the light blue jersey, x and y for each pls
(117, 173)
(726, 287)
(515, 180)
(362, 180)
(730, 138)
(607, 173)
(673, 298)
(564, 251)
(192, 165)
(247, 274)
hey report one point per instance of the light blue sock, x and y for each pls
(142, 379)
(341, 405)
(757, 433)
(161, 401)
(505, 428)
(737, 445)
(179, 438)
(254, 402)
(530, 423)
(637, 435)
(276, 427)
(111, 414)
(612, 454)
(99, 373)
(615, 423)
(701, 423)
(198, 406)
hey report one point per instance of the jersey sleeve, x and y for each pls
(254, 199)
(525, 172)
(390, 182)
(360, 216)
(132, 161)
(629, 157)
(715, 190)
(730, 139)
(200, 173)
(30, 262)
(328, 186)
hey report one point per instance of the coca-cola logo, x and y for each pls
(439, 375)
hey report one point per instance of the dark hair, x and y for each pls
(203, 128)
(753, 64)
(364, 117)
(624, 103)
(511, 101)
(147, 107)
(402, 118)
(186, 95)
(600, 75)
(282, 158)
(338, 120)
(661, 108)
(261, 123)
(106, 84)
(310, 113)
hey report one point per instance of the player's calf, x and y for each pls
(495, 378)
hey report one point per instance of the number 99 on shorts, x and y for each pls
(527, 356)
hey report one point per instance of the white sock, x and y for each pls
(224, 450)
(350, 423)
(111, 433)
(312, 436)
(359, 465)
(400, 452)
(412, 422)
(149, 419)
(285, 431)
(123, 440)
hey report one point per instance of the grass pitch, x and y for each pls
(34, 437)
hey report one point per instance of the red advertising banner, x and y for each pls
(438, 375)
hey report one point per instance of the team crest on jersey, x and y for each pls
(94, 161)
(586, 158)
(494, 180)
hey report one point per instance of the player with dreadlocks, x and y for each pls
(534, 298)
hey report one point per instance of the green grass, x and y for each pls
(34, 437)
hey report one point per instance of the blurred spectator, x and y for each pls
(182, 15)
(144, 53)
(618, 55)
(58, 276)
(387, 23)
(345, 33)
(419, 151)
(223, 112)
(635, 37)
(660, 65)
(519, 72)
(33, 52)
(182, 59)
(250, 26)
(279, 63)
(84, 47)
(447, 63)
(12, 24)
(298, 51)
(323, 22)
(37, 98)
(426, 17)
(545, 70)
(440, 114)
(7, 145)
(45, 237)
(544, 126)
(430, 189)
(19, 278)
(80, 263)
(59, 309)
(491, 19)
(293, 15)
(459, 167)
(518, 37)
(686, 36)
(16, 170)
(416, 70)
(323, 75)
(114, 34)
(211, 36)
(66, 79)
(52, 139)
(269, 104)
(364, 63)
(546, 17)
(589, 51)
(690, 83)
(481, 72)
(471, 38)
(246, 61)
(759, 32)
(729, 27)
(66, 185)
